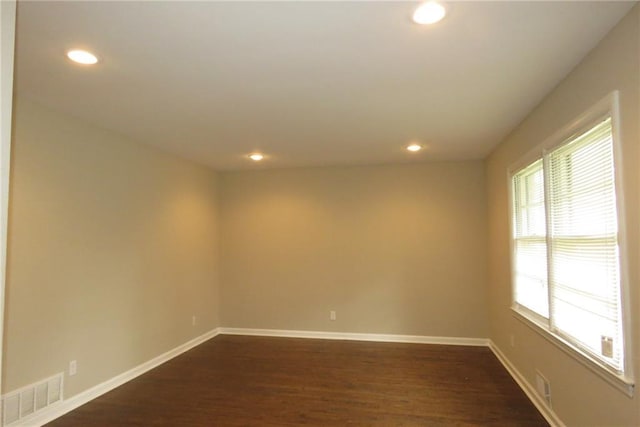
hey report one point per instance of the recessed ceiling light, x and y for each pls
(414, 147)
(429, 13)
(82, 57)
(256, 157)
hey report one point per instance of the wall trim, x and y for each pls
(548, 413)
(415, 339)
(67, 405)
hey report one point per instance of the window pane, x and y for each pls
(531, 275)
(583, 236)
(530, 250)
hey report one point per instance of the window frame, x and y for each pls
(513, 240)
(606, 107)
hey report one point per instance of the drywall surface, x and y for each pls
(7, 44)
(396, 249)
(112, 250)
(579, 397)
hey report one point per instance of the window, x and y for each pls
(566, 249)
(530, 241)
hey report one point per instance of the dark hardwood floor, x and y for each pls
(257, 381)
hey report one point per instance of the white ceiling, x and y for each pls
(308, 83)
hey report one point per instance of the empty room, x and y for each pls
(326, 213)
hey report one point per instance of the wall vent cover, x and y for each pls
(543, 388)
(29, 400)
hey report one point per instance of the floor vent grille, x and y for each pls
(543, 388)
(31, 399)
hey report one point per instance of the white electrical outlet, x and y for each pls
(332, 315)
(193, 320)
(512, 340)
(73, 368)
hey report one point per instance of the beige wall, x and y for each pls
(112, 249)
(7, 44)
(580, 398)
(393, 249)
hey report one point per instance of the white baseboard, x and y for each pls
(549, 415)
(67, 405)
(417, 339)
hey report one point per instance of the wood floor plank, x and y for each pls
(260, 381)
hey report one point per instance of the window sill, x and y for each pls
(620, 382)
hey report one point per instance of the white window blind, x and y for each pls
(530, 243)
(583, 238)
(566, 252)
